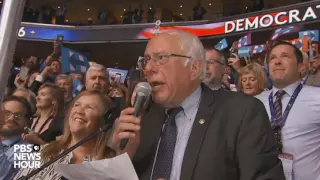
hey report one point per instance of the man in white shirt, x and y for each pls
(295, 113)
(215, 69)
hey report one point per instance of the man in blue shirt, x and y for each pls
(15, 114)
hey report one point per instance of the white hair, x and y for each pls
(191, 45)
(97, 67)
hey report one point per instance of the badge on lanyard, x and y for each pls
(287, 163)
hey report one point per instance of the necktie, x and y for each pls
(163, 164)
(278, 105)
(278, 115)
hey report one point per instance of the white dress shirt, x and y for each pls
(301, 132)
(184, 121)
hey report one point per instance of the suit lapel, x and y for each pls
(154, 121)
(200, 125)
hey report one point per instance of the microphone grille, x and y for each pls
(143, 88)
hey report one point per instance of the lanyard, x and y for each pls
(286, 111)
(305, 80)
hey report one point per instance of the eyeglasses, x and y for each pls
(8, 114)
(160, 59)
(212, 62)
(277, 132)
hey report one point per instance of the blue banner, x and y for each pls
(73, 61)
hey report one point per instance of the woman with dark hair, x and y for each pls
(84, 117)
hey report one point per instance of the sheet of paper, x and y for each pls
(117, 168)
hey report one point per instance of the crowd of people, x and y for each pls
(48, 14)
(195, 126)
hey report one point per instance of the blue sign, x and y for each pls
(73, 61)
(49, 33)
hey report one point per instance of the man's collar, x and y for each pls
(10, 141)
(191, 102)
(289, 89)
(215, 88)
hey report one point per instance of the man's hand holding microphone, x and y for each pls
(126, 134)
(127, 126)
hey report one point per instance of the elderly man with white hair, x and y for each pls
(192, 132)
(97, 78)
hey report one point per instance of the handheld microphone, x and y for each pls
(109, 118)
(143, 91)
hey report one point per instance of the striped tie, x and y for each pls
(278, 105)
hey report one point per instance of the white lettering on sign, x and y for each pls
(26, 156)
(226, 26)
(278, 16)
(22, 32)
(309, 14)
(268, 20)
(293, 14)
(239, 25)
(252, 25)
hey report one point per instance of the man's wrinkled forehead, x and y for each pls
(99, 73)
(163, 43)
(212, 54)
(283, 48)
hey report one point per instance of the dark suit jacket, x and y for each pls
(235, 142)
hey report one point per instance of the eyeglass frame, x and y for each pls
(18, 116)
(213, 61)
(167, 55)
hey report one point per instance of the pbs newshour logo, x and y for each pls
(26, 156)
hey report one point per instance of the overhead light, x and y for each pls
(246, 7)
(181, 14)
(150, 8)
(58, 7)
(121, 16)
(88, 9)
(209, 4)
(124, 9)
(180, 5)
(67, 20)
(90, 19)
